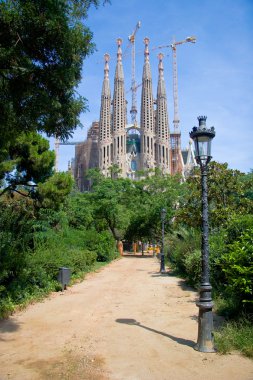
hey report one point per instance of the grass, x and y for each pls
(235, 335)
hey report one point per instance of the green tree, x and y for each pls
(52, 193)
(150, 195)
(43, 45)
(111, 212)
(29, 159)
(237, 264)
(227, 196)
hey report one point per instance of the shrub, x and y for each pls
(237, 264)
(49, 261)
(184, 243)
(237, 226)
(217, 247)
(192, 263)
(102, 243)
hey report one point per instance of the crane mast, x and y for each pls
(173, 46)
(175, 136)
(133, 110)
(175, 91)
(57, 144)
(175, 81)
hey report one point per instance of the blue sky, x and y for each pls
(215, 75)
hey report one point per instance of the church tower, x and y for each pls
(105, 135)
(162, 123)
(119, 115)
(147, 124)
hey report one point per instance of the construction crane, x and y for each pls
(133, 110)
(173, 46)
(57, 144)
(175, 137)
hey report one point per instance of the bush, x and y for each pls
(237, 226)
(50, 261)
(237, 264)
(102, 243)
(217, 247)
(192, 264)
(184, 249)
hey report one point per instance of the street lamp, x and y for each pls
(32, 191)
(163, 216)
(202, 137)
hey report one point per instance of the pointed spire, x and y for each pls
(160, 66)
(161, 91)
(119, 54)
(146, 51)
(119, 68)
(162, 122)
(106, 69)
(146, 68)
(119, 103)
(106, 85)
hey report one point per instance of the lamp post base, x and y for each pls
(205, 341)
(162, 267)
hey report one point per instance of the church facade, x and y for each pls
(131, 148)
(134, 148)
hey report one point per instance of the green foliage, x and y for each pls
(227, 196)
(28, 159)
(102, 243)
(185, 253)
(237, 264)
(237, 226)
(229, 306)
(52, 193)
(146, 201)
(217, 247)
(54, 255)
(235, 335)
(15, 234)
(30, 274)
(110, 209)
(43, 45)
(192, 264)
(79, 210)
(32, 157)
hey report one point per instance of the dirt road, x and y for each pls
(126, 322)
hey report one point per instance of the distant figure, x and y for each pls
(120, 247)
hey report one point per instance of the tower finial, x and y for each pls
(202, 121)
(146, 51)
(106, 69)
(119, 53)
(160, 65)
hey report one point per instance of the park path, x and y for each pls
(124, 322)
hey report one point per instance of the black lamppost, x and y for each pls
(163, 216)
(202, 137)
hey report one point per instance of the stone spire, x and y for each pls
(162, 123)
(105, 136)
(147, 114)
(119, 114)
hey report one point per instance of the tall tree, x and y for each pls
(228, 195)
(43, 45)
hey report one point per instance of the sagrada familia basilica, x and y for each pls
(132, 148)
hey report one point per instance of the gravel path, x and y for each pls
(125, 322)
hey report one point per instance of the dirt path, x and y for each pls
(126, 322)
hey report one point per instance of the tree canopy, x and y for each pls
(228, 194)
(43, 45)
